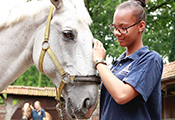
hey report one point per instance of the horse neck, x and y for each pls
(31, 108)
(16, 47)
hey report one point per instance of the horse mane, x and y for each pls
(13, 11)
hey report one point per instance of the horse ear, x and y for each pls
(56, 3)
(30, 103)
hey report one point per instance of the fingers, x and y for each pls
(97, 44)
(99, 51)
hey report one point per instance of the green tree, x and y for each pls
(31, 78)
(172, 52)
(159, 29)
(102, 15)
(159, 25)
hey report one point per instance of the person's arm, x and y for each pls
(44, 114)
(120, 91)
(31, 116)
(44, 118)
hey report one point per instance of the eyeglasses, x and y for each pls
(122, 30)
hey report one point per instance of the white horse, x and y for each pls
(22, 30)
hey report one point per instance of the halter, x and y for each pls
(66, 77)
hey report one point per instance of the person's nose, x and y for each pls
(117, 33)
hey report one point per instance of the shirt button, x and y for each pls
(120, 64)
(114, 70)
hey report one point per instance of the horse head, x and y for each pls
(27, 111)
(71, 40)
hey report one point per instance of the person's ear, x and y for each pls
(141, 26)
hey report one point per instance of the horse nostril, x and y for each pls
(86, 103)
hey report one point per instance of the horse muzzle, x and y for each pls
(24, 118)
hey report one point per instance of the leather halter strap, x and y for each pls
(46, 48)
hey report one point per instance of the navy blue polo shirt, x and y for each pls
(142, 70)
(36, 116)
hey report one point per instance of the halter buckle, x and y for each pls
(66, 75)
(45, 45)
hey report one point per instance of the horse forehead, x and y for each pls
(26, 106)
(77, 10)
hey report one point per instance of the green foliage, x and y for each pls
(15, 101)
(1, 100)
(159, 29)
(5, 96)
(102, 15)
(158, 32)
(31, 78)
(172, 52)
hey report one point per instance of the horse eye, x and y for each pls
(68, 34)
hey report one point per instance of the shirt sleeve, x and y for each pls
(32, 114)
(43, 113)
(145, 75)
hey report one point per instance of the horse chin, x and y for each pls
(83, 113)
(90, 111)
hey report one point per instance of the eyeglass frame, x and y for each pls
(116, 28)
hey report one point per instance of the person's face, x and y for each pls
(124, 18)
(37, 106)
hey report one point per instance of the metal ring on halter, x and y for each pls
(45, 45)
(67, 75)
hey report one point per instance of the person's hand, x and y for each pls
(99, 51)
(44, 118)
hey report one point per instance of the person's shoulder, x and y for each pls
(155, 53)
(152, 55)
(155, 56)
(42, 110)
(33, 110)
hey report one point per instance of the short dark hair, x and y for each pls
(138, 7)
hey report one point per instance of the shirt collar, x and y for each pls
(134, 55)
